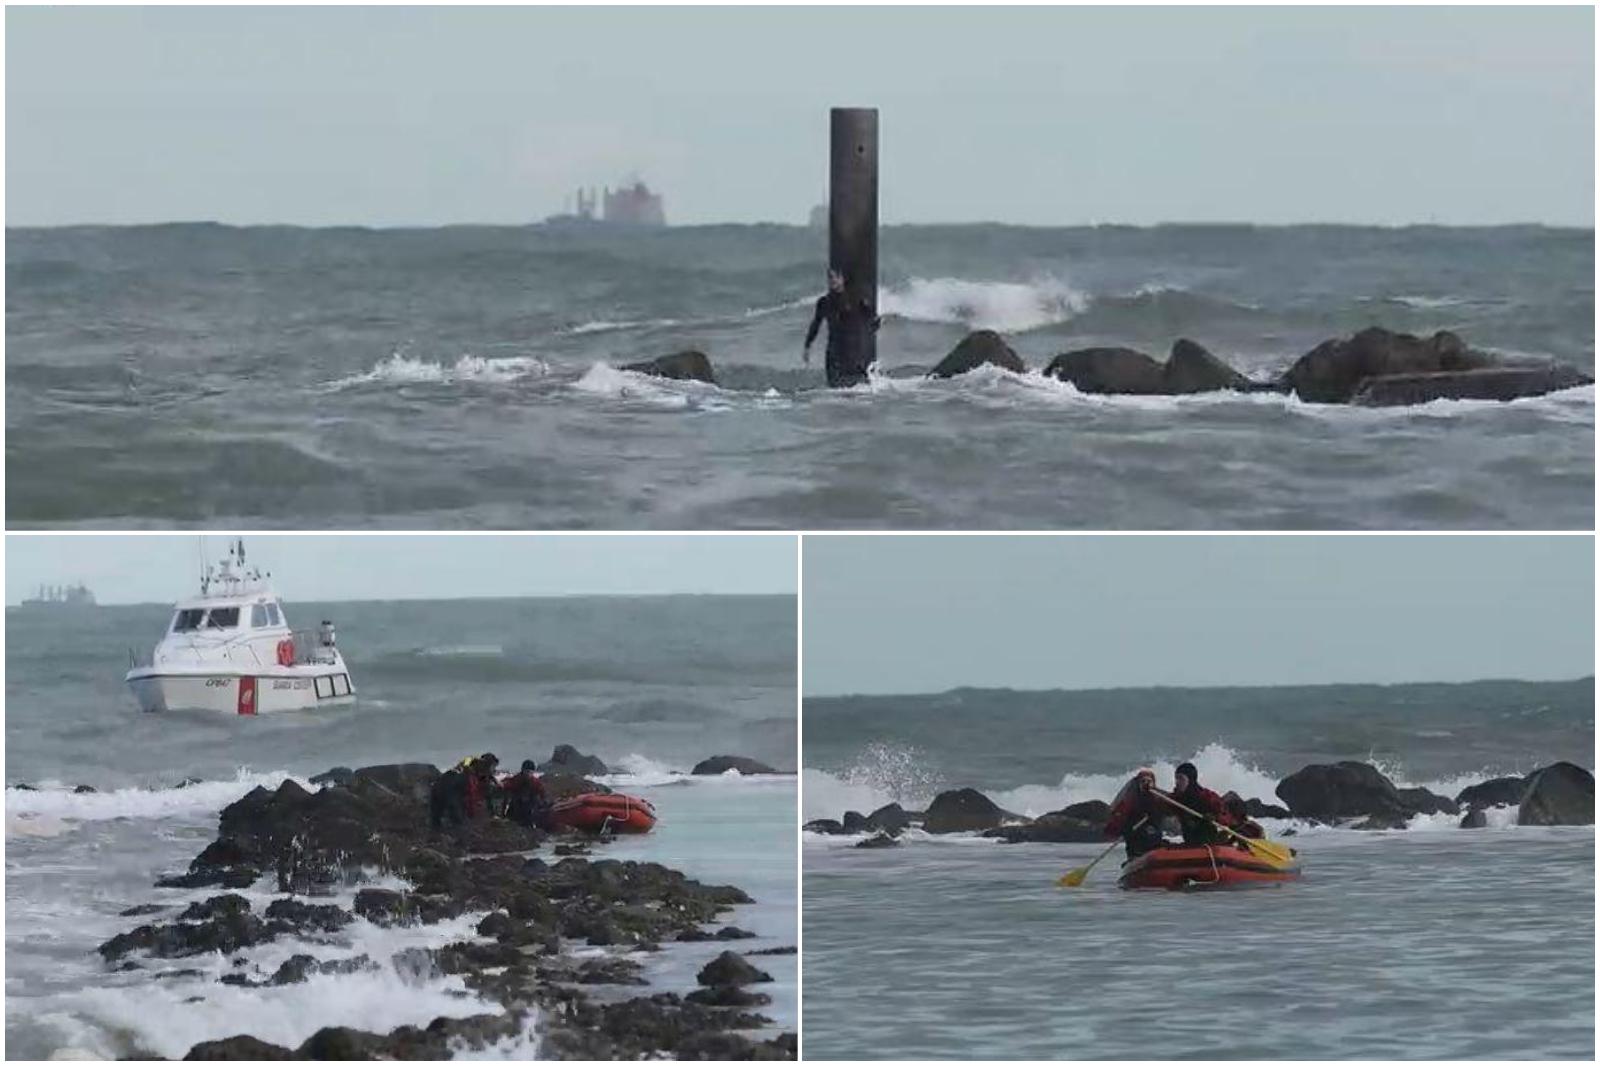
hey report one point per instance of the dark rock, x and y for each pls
(1497, 383)
(339, 775)
(298, 967)
(984, 346)
(342, 1043)
(890, 818)
(828, 826)
(237, 1049)
(1257, 809)
(1190, 368)
(228, 928)
(561, 786)
(229, 906)
(963, 810)
(23, 787)
(1385, 820)
(411, 779)
(385, 906)
(80, 790)
(302, 917)
(728, 996)
(730, 968)
(1335, 370)
(142, 909)
(1121, 371)
(721, 764)
(774, 951)
(855, 822)
(1560, 794)
(1497, 792)
(681, 366)
(1057, 827)
(1328, 792)
(1087, 811)
(566, 759)
(881, 840)
(1475, 819)
(1421, 801)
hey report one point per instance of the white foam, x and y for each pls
(608, 382)
(1000, 305)
(402, 369)
(31, 812)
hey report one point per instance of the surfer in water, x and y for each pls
(850, 322)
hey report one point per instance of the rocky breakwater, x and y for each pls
(1352, 795)
(373, 822)
(1375, 367)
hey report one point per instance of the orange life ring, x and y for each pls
(286, 652)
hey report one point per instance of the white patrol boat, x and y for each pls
(231, 650)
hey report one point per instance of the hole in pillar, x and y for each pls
(861, 149)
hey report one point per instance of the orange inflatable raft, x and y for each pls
(1207, 866)
(604, 812)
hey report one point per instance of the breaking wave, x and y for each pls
(402, 369)
(999, 305)
(53, 808)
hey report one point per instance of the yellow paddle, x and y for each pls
(1265, 849)
(1073, 878)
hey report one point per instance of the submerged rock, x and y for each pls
(829, 826)
(1421, 801)
(689, 365)
(980, 348)
(881, 840)
(1474, 819)
(721, 764)
(1560, 794)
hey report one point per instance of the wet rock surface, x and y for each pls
(1561, 794)
(374, 820)
(568, 760)
(686, 365)
(982, 347)
(721, 764)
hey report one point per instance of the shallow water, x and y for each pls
(1448, 944)
(650, 685)
(202, 375)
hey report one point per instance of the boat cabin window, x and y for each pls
(222, 618)
(259, 619)
(188, 619)
(272, 609)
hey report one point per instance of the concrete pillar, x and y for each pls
(853, 211)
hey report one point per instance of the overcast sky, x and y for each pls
(926, 614)
(420, 116)
(161, 569)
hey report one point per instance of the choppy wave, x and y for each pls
(34, 812)
(886, 773)
(402, 369)
(1006, 306)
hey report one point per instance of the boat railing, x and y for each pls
(308, 647)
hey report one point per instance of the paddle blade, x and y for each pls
(1073, 878)
(1270, 851)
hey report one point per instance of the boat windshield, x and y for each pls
(188, 619)
(222, 618)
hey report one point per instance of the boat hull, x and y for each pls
(268, 692)
(603, 812)
(1213, 866)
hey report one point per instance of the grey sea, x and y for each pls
(1425, 942)
(651, 685)
(202, 375)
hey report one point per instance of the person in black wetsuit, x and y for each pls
(850, 323)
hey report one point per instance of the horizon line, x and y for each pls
(1198, 685)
